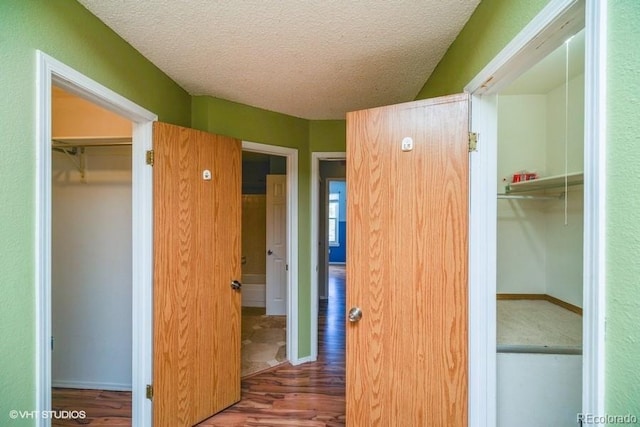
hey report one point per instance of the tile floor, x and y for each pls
(263, 340)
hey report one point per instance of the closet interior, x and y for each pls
(91, 269)
(540, 240)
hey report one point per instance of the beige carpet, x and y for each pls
(263, 340)
(539, 323)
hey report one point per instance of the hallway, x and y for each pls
(312, 394)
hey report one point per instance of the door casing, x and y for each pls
(291, 154)
(51, 71)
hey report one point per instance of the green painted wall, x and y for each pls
(623, 209)
(328, 135)
(69, 33)
(248, 123)
(492, 26)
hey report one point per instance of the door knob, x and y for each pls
(269, 252)
(355, 314)
(236, 285)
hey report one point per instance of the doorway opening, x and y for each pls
(264, 273)
(91, 269)
(540, 213)
(325, 168)
(51, 72)
(332, 226)
(550, 29)
(259, 160)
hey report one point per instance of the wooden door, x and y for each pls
(276, 265)
(196, 320)
(407, 264)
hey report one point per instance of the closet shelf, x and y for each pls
(75, 142)
(546, 183)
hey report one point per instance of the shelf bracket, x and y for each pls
(78, 162)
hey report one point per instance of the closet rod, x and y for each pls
(523, 197)
(56, 144)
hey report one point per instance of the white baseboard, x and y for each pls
(90, 385)
(302, 360)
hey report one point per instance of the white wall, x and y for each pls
(91, 270)
(564, 242)
(538, 389)
(537, 252)
(520, 228)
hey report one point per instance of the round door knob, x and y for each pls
(355, 314)
(269, 252)
(236, 285)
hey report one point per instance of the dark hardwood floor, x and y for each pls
(312, 394)
(101, 408)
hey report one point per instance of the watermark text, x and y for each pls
(15, 414)
(606, 419)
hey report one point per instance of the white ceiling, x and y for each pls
(315, 59)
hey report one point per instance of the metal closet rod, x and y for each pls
(525, 197)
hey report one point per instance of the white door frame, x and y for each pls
(544, 33)
(291, 154)
(51, 71)
(316, 157)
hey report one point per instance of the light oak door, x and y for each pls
(276, 263)
(197, 241)
(407, 180)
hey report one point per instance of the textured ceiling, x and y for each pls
(315, 59)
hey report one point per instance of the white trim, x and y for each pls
(539, 38)
(292, 240)
(593, 329)
(482, 264)
(142, 296)
(50, 70)
(316, 157)
(545, 32)
(305, 360)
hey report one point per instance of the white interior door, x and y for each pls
(276, 292)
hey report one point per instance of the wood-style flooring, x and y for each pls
(312, 394)
(102, 408)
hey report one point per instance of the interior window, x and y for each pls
(334, 212)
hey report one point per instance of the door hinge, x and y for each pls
(473, 141)
(149, 392)
(149, 157)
